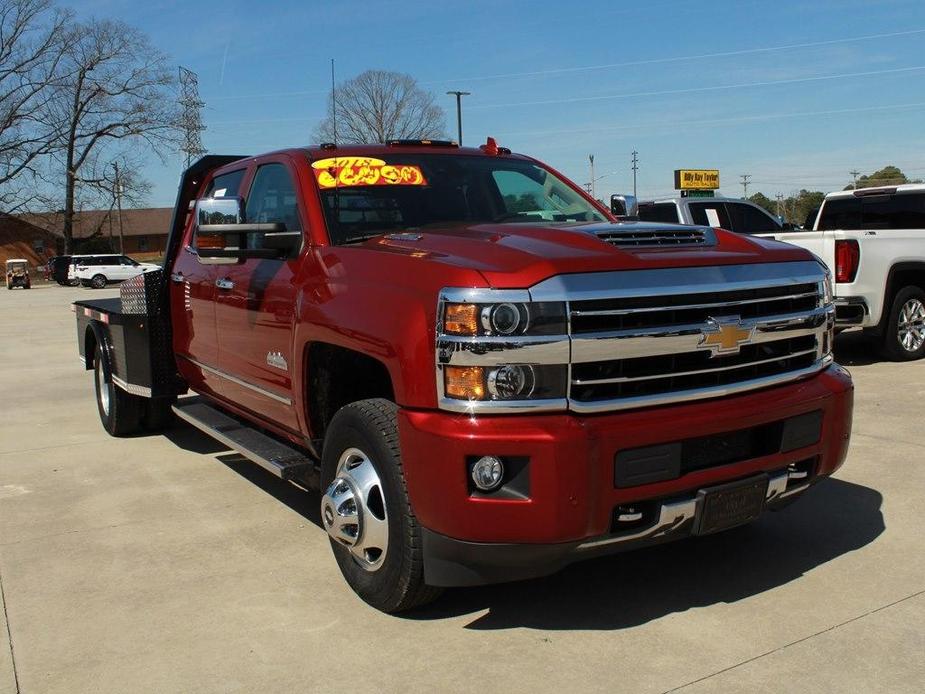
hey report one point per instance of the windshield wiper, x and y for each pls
(361, 239)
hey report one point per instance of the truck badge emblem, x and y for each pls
(277, 360)
(725, 336)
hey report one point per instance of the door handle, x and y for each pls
(176, 277)
(224, 284)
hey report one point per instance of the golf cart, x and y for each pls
(17, 273)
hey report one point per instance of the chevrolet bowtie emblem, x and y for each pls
(723, 336)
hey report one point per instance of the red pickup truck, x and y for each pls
(485, 374)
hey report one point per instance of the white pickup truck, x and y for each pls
(873, 240)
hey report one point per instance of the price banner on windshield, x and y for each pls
(365, 171)
(696, 179)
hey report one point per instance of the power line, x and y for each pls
(720, 87)
(673, 59)
(715, 121)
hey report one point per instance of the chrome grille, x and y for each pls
(645, 312)
(654, 337)
(684, 236)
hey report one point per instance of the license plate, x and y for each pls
(729, 505)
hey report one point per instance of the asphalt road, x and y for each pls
(165, 564)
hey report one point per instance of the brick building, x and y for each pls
(144, 229)
(22, 239)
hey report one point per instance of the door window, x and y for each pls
(665, 212)
(747, 219)
(711, 214)
(227, 185)
(273, 198)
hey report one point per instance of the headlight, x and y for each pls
(508, 382)
(828, 295)
(504, 319)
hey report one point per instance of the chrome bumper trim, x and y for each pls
(674, 515)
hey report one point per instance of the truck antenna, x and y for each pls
(334, 128)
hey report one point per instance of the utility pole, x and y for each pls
(745, 178)
(191, 118)
(780, 198)
(635, 169)
(591, 159)
(118, 192)
(459, 96)
(854, 175)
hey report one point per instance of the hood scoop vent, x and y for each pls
(642, 237)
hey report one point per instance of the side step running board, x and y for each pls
(281, 459)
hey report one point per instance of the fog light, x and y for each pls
(487, 473)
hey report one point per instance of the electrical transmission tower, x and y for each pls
(191, 118)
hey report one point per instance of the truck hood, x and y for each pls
(520, 255)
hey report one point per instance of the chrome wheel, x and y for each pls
(911, 325)
(353, 510)
(102, 389)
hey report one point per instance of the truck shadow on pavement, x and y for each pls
(855, 349)
(631, 589)
(626, 590)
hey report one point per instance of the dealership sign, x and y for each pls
(696, 179)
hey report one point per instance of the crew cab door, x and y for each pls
(255, 304)
(192, 302)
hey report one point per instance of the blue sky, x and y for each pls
(796, 94)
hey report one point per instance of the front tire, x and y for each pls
(98, 281)
(366, 511)
(904, 336)
(120, 412)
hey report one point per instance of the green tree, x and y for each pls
(764, 201)
(887, 176)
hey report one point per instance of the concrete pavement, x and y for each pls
(166, 564)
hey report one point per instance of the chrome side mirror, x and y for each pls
(624, 205)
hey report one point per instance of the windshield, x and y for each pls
(364, 197)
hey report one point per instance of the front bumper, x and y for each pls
(569, 508)
(453, 563)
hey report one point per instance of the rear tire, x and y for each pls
(361, 470)
(120, 412)
(904, 334)
(98, 281)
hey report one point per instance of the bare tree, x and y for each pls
(114, 90)
(31, 49)
(378, 106)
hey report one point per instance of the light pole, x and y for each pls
(591, 159)
(635, 169)
(118, 192)
(459, 96)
